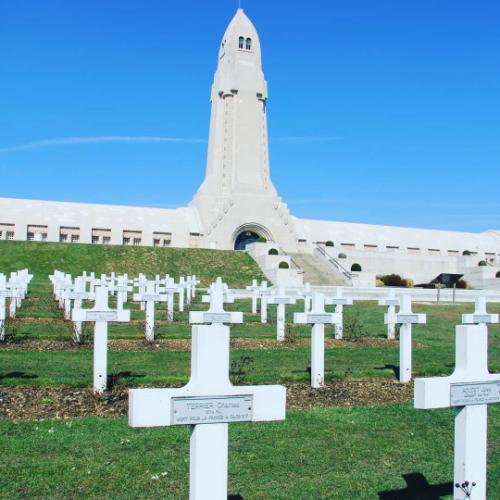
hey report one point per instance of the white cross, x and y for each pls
(101, 314)
(469, 389)
(480, 316)
(150, 297)
(307, 293)
(216, 313)
(122, 288)
(208, 403)
(339, 301)
(405, 317)
(390, 302)
(194, 283)
(318, 318)
(77, 294)
(254, 288)
(141, 283)
(281, 299)
(170, 289)
(180, 291)
(227, 296)
(264, 293)
(4, 294)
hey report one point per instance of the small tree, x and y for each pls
(284, 265)
(342, 256)
(273, 251)
(497, 275)
(356, 268)
(329, 244)
(261, 239)
(466, 252)
(482, 263)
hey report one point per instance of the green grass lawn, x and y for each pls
(341, 453)
(237, 268)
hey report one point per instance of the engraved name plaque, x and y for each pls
(481, 318)
(407, 318)
(148, 298)
(217, 318)
(211, 410)
(475, 393)
(318, 318)
(101, 316)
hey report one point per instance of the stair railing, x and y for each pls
(292, 261)
(334, 262)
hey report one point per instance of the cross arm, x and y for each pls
(153, 407)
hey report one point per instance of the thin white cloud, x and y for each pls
(64, 141)
(68, 141)
(304, 139)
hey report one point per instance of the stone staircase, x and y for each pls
(317, 271)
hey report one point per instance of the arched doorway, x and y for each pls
(249, 233)
(244, 239)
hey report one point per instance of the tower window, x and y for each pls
(249, 44)
(241, 43)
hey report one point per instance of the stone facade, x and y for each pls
(238, 202)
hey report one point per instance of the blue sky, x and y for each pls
(381, 112)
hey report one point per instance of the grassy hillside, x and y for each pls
(237, 268)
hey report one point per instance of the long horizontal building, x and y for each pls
(238, 203)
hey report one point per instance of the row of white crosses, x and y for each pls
(12, 292)
(469, 390)
(209, 402)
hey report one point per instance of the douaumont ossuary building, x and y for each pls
(238, 203)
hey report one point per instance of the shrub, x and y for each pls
(262, 239)
(466, 252)
(393, 280)
(342, 256)
(379, 282)
(356, 268)
(329, 244)
(273, 251)
(498, 275)
(461, 284)
(409, 283)
(482, 263)
(284, 265)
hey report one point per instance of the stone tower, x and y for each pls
(237, 201)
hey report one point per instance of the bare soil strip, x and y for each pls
(185, 344)
(35, 403)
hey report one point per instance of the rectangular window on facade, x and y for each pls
(391, 248)
(106, 240)
(453, 253)
(413, 250)
(434, 251)
(371, 247)
(348, 245)
(4, 230)
(36, 232)
(69, 234)
(132, 237)
(162, 239)
(98, 235)
(10, 235)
